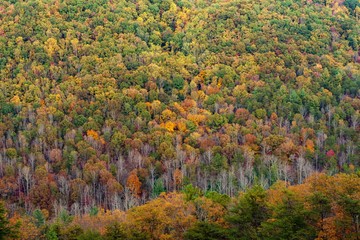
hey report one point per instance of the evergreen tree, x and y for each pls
(290, 220)
(249, 213)
(206, 231)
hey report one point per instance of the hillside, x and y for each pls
(107, 104)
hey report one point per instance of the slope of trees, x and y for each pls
(107, 104)
(324, 207)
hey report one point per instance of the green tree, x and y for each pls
(191, 192)
(39, 217)
(247, 215)
(290, 220)
(158, 187)
(206, 231)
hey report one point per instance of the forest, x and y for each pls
(179, 119)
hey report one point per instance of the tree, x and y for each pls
(90, 235)
(39, 217)
(206, 231)
(134, 184)
(191, 192)
(289, 220)
(115, 232)
(158, 187)
(248, 214)
(7, 231)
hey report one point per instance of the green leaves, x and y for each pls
(39, 218)
(248, 214)
(206, 231)
(290, 220)
(191, 192)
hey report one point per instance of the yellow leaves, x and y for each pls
(219, 84)
(303, 81)
(51, 46)
(148, 105)
(15, 100)
(140, 20)
(357, 11)
(155, 105)
(74, 42)
(240, 91)
(201, 95)
(169, 126)
(167, 115)
(196, 118)
(181, 126)
(180, 109)
(327, 92)
(166, 217)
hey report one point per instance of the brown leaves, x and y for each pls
(134, 184)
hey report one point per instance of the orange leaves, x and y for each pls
(287, 148)
(242, 114)
(250, 138)
(212, 90)
(93, 134)
(188, 104)
(343, 193)
(28, 228)
(100, 221)
(209, 211)
(178, 177)
(134, 184)
(328, 229)
(309, 145)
